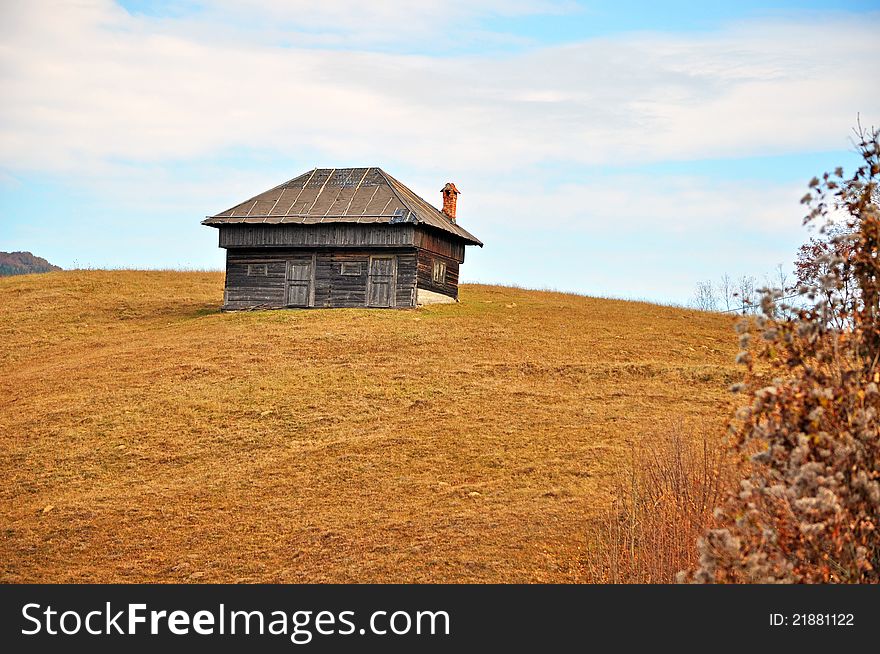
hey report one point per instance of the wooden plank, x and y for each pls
(310, 236)
(439, 243)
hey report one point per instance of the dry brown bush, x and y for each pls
(662, 503)
(807, 503)
(808, 510)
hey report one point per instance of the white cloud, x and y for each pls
(632, 205)
(357, 23)
(86, 83)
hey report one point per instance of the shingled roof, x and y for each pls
(340, 195)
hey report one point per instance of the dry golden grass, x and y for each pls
(148, 437)
(664, 499)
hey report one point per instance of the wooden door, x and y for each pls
(299, 283)
(382, 281)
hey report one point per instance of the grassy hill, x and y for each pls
(23, 263)
(148, 437)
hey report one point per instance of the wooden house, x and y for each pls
(341, 237)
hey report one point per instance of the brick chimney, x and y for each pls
(450, 194)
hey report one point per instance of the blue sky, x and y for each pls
(627, 149)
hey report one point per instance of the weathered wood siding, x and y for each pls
(329, 235)
(281, 257)
(333, 289)
(439, 243)
(330, 287)
(245, 290)
(426, 274)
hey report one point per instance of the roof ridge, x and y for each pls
(392, 184)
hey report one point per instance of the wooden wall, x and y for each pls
(439, 243)
(328, 246)
(331, 287)
(319, 235)
(426, 274)
(341, 235)
(244, 290)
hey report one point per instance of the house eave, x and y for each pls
(221, 221)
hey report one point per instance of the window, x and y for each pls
(350, 268)
(439, 272)
(258, 269)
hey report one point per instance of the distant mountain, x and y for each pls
(22, 263)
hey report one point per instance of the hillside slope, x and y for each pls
(148, 437)
(23, 263)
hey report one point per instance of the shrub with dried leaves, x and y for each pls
(808, 509)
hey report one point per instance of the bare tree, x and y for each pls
(776, 289)
(782, 279)
(746, 293)
(725, 289)
(704, 297)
